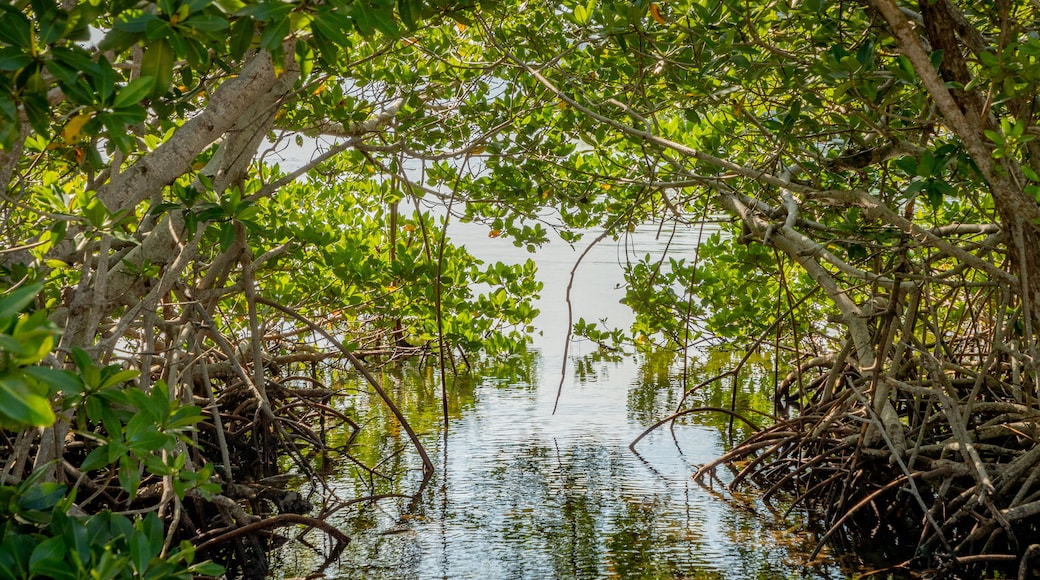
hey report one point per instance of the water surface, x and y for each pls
(523, 492)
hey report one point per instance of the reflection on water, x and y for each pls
(522, 493)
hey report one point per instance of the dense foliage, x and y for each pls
(865, 174)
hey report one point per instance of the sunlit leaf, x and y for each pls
(74, 127)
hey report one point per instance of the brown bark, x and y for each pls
(940, 27)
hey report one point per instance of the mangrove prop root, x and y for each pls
(938, 442)
(372, 381)
(278, 521)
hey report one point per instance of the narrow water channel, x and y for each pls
(522, 492)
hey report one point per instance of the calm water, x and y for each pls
(521, 492)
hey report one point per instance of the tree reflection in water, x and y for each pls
(529, 494)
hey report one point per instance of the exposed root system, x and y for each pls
(264, 422)
(932, 457)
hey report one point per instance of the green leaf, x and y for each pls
(77, 540)
(205, 23)
(81, 18)
(247, 210)
(936, 59)
(59, 381)
(16, 301)
(1033, 191)
(13, 59)
(988, 59)
(581, 15)
(9, 343)
(934, 197)
(135, 21)
(15, 552)
(227, 235)
(154, 530)
(119, 377)
(198, 55)
(158, 64)
(95, 410)
(905, 69)
(118, 40)
(34, 99)
(915, 186)
(133, 92)
(155, 465)
(157, 29)
(42, 496)
(369, 18)
(95, 459)
(185, 416)
(945, 188)
(21, 406)
(267, 11)
(926, 164)
(148, 439)
(48, 560)
(332, 27)
(274, 33)
(409, 11)
(81, 358)
(52, 22)
(208, 568)
(160, 400)
(104, 80)
(242, 33)
(15, 28)
(113, 424)
(129, 476)
(139, 552)
(1018, 129)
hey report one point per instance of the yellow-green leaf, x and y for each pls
(74, 127)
